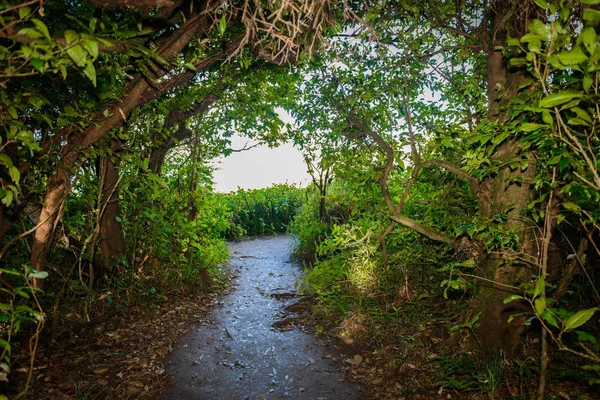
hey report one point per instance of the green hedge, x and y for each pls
(259, 212)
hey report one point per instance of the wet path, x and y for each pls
(237, 354)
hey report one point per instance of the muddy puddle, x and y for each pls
(238, 354)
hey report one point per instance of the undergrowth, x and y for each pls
(257, 212)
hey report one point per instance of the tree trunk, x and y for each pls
(138, 93)
(157, 156)
(507, 269)
(176, 116)
(4, 225)
(59, 186)
(193, 209)
(112, 240)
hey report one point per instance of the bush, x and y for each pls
(259, 212)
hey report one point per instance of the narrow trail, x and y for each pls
(237, 354)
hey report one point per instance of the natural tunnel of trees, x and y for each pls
(453, 148)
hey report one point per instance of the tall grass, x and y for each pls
(259, 212)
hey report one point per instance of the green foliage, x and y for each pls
(345, 265)
(19, 307)
(257, 212)
(398, 124)
(327, 281)
(181, 248)
(308, 230)
(466, 376)
(561, 55)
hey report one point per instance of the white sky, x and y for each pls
(259, 167)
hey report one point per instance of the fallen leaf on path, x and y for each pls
(100, 371)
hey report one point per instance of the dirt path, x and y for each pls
(239, 355)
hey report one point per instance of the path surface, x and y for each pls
(239, 355)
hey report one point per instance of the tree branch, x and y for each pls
(393, 211)
(176, 115)
(476, 186)
(431, 233)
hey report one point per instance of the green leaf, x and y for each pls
(222, 25)
(555, 160)
(8, 198)
(37, 64)
(539, 28)
(470, 263)
(529, 37)
(539, 286)
(579, 318)
(578, 121)
(71, 37)
(530, 127)
(10, 272)
(563, 13)
(513, 41)
(588, 37)
(513, 298)
(572, 57)
(586, 337)
(517, 61)
(571, 207)
(91, 47)
(13, 112)
(14, 173)
(591, 15)
(41, 27)
(90, 72)
(63, 71)
(547, 118)
(24, 12)
(556, 99)
(6, 345)
(501, 137)
(540, 305)
(31, 32)
(5, 159)
(590, 2)
(564, 163)
(534, 42)
(583, 114)
(549, 318)
(21, 292)
(78, 55)
(587, 83)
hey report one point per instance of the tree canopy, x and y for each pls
(467, 127)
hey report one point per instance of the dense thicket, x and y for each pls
(258, 212)
(456, 141)
(110, 115)
(462, 139)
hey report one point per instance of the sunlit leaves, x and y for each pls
(590, 15)
(557, 99)
(539, 28)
